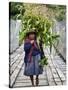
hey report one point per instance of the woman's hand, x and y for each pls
(32, 41)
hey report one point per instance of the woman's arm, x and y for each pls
(27, 46)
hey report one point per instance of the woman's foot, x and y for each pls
(33, 85)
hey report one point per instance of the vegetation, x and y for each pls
(39, 18)
(16, 10)
(58, 11)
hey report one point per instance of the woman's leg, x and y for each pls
(37, 80)
(32, 80)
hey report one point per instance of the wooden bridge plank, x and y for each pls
(56, 75)
(13, 67)
(53, 73)
(14, 75)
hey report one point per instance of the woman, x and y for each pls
(32, 57)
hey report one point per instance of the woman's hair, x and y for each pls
(29, 33)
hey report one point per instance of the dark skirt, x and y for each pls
(33, 67)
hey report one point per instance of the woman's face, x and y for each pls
(32, 36)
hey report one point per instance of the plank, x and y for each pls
(50, 76)
(53, 73)
(15, 73)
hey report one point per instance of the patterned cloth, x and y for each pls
(33, 67)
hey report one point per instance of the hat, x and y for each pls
(32, 31)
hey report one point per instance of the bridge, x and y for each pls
(54, 73)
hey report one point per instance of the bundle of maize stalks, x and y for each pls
(43, 61)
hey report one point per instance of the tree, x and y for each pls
(38, 17)
(43, 28)
(16, 10)
(58, 12)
